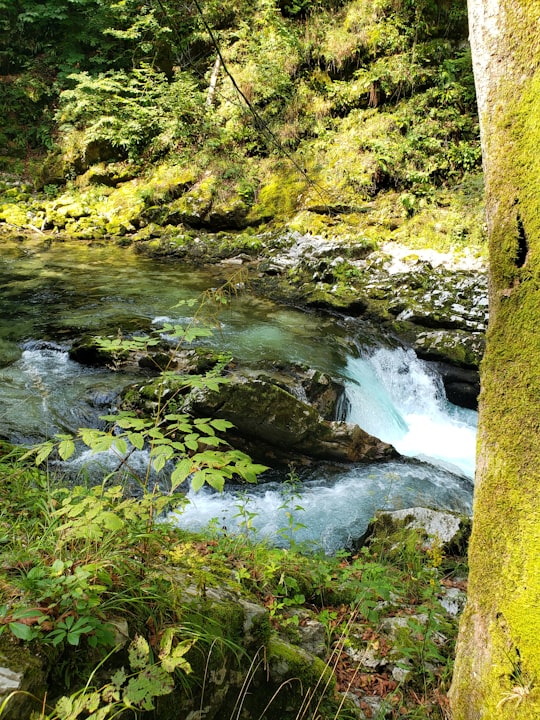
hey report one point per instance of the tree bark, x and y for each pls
(497, 670)
(213, 81)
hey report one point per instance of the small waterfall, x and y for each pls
(394, 396)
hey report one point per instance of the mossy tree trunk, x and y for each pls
(497, 671)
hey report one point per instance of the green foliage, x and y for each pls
(120, 112)
(76, 560)
(135, 689)
(301, 8)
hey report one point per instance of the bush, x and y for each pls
(117, 114)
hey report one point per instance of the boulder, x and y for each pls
(450, 529)
(280, 427)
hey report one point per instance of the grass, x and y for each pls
(384, 641)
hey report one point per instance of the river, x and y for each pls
(55, 293)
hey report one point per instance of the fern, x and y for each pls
(127, 110)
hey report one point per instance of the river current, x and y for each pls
(53, 294)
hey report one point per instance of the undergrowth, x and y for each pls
(86, 570)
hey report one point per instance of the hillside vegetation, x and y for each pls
(351, 119)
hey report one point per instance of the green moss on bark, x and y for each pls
(498, 664)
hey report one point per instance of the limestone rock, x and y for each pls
(450, 529)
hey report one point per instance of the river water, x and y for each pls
(53, 294)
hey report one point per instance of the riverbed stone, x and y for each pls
(282, 427)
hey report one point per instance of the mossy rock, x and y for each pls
(456, 346)
(87, 351)
(22, 675)
(52, 172)
(225, 214)
(299, 675)
(14, 215)
(192, 207)
(450, 530)
(168, 182)
(279, 197)
(108, 174)
(279, 427)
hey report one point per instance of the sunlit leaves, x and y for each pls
(66, 448)
(43, 451)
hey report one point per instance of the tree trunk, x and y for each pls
(213, 81)
(497, 671)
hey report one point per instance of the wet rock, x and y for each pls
(280, 427)
(462, 385)
(323, 393)
(88, 351)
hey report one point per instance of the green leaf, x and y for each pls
(101, 714)
(43, 451)
(22, 631)
(24, 613)
(58, 567)
(119, 678)
(202, 426)
(180, 473)
(215, 479)
(192, 443)
(121, 445)
(111, 521)
(136, 439)
(139, 653)
(66, 449)
(192, 333)
(197, 481)
(221, 425)
(124, 421)
(64, 708)
(159, 463)
(89, 436)
(176, 660)
(211, 440)
(214, 383)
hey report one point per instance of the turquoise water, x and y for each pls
(53, 294)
